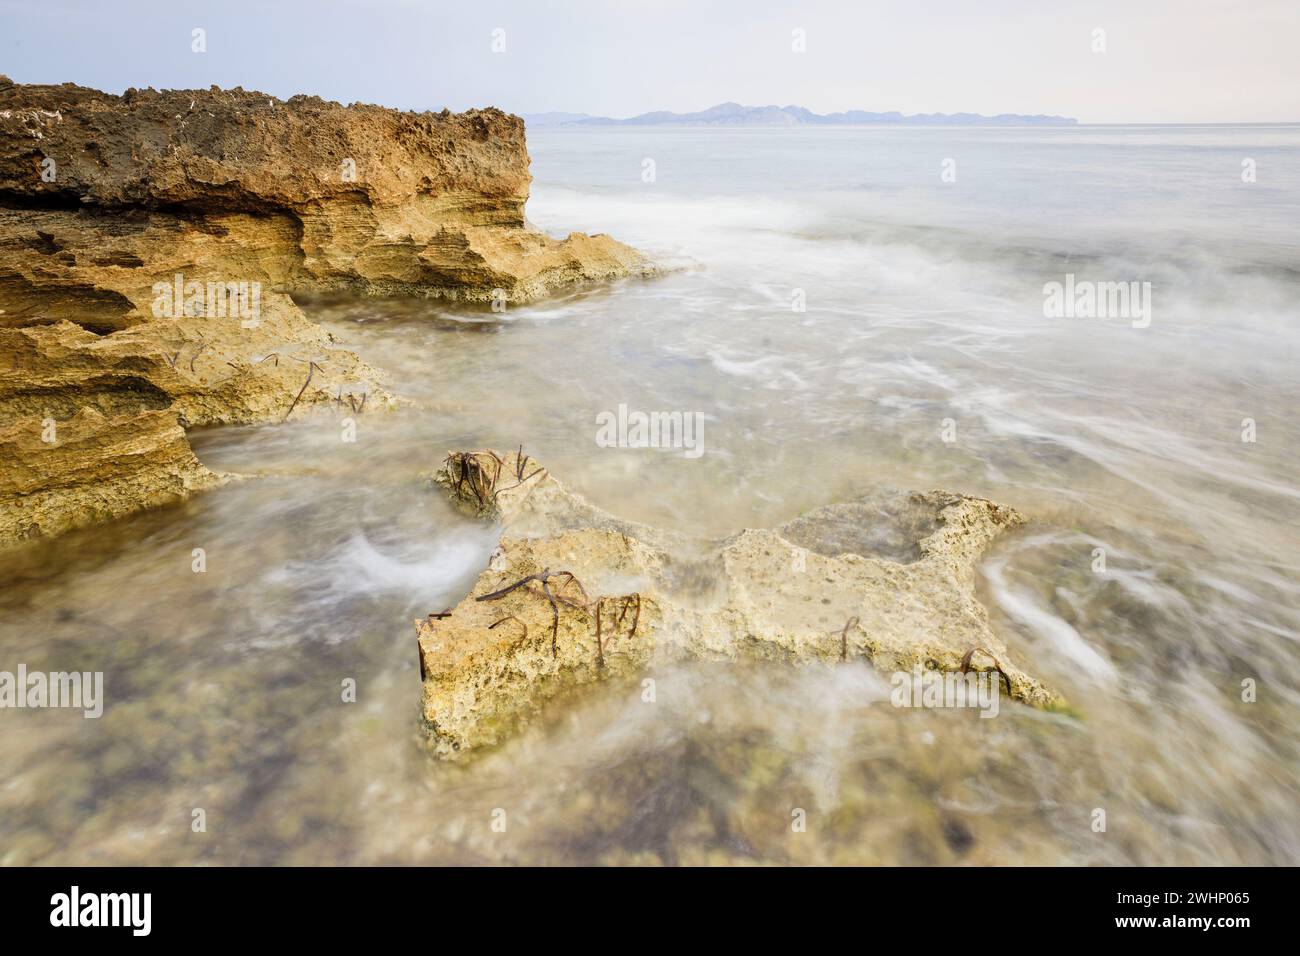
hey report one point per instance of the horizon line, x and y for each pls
(1074, 120)
(525, 113)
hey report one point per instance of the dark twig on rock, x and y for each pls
(521, 463)
(496, 595)
(631, 602)
(571, 580)
(481, 472)
(844, 638)
(636, 616)
(510, 617)
(311, 370)
(555, 616)
(544, 578)
(470, 470)
(965, 663)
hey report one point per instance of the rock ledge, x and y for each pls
(598, 600)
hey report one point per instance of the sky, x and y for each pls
(1164, 61)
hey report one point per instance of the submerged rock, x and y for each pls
(573, 595)
(149, 244)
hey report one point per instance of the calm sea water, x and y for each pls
(923, 316)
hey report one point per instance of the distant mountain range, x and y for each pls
(733, 114)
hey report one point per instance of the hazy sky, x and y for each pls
(1165, 60)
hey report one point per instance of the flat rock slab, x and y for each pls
(573, 595)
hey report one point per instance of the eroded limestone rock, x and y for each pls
(106, 200)
(358, 197)
(598, 600)
(78, 332)
(89, 468)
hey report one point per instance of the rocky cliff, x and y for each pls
(150, 244)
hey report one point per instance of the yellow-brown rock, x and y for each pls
(599, 601)
(150, 244)
(61, 475)
(357, 197)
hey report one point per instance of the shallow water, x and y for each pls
(924, 303)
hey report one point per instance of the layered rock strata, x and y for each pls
(333, 197)
(89, 468)
(150, 244)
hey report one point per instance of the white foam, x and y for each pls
(1057, 633)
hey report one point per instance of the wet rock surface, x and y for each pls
(93, 468)
(150, 244)
(573, 595)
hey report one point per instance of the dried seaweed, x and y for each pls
(480, 473)
(312, 368)
(844, 637)
(632, 601)
(543, 578)
(966, 658)
(510, 617)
